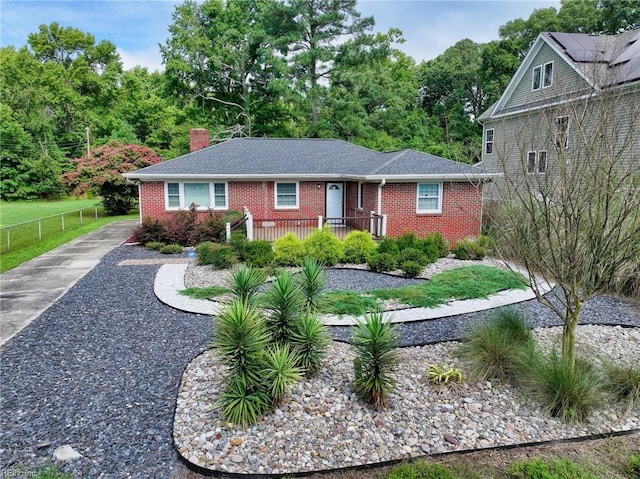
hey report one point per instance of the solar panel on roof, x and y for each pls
(580, 46)
(632, 51)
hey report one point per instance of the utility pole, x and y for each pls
(88, 143)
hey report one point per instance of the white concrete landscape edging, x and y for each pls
(169, 282)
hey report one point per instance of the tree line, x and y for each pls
(278, 68)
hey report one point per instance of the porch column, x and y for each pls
(249, 217)
(319, 222)
(384, 225)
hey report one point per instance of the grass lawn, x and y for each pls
(12, 212)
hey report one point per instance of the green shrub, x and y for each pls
(421, 470)
(555, 469)
(154, 245)
(257, 253)
(382, 262)
(389, 246)
(171, 249)
(280, 371)
(150, 230)
(312, 283)
(413, 254)
(622, 382)
(633, 467)
(285, 303)
(324, 246)
(496, 349)
(411, 269)
(243, 403)
(237, 242)
(429, 249)
(407, 240)
(563, 390)
(220, 256)
(358, 246)
(441, 243)
(310, 339)
(470, 249)
(375, 342)
(486, 242)
(245, 282)
(288, 250)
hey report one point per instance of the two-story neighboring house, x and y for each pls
(575, 97)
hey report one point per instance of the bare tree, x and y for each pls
(570, 192)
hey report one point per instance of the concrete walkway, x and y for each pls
(29, 289)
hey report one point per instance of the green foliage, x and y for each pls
(285, 303)
(280, 371)
(51, 472)
(218, 255)
(242, 403)
(565, 390)
(310, 339)
(440, 242)
(421, 470)
(204, 293)
(414, 255)
(154, 245)
(622, 382)
(312, 283)
(288, 250)
(245, 282)
(437, 374)
(358, 246)
(633, 467)
(411, 269)
(382, 262)
(498, 347)
(257, 253)
(471, 249)
(390, 246)
(349, 303)
(374, 340)
(237, 242)
(171, 249)
(407, 240)
(324, 246)
(554, 469)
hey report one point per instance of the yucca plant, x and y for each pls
(243, 403)
(280, 371)
(495, 349)
(284, 303)
(312, 282)
(245, 282)
(240, 338)
(375, 341)
(310, 339)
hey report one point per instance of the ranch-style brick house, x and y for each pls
(293, 184)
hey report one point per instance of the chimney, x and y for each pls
(198, 139)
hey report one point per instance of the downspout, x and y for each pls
(380, 186)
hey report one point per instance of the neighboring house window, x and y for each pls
(429, 198)
(548, 75)
(488, 142)
(286, 195)
(531, 162)
(360, 195)
(205, 195)
(542, 162)
(536, 79)
(562, 132)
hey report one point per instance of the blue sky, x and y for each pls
(136, 27)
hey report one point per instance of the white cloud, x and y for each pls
(150, 58)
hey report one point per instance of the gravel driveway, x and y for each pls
(99, 370)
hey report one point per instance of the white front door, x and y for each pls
(335, 203)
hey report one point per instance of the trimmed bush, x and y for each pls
(375, 341)
(411, 269)
(237, 242)
(358, 246)
(324, 246)
(429, 249)
(288, 250)
(257, 253)
(470, 249)
(382, 262)
(413, 254)
(154, 245)
(407, 240)
(150, 231)
(210, 228)
(389, 246)
(171, 249)
(181, 227)
(217, 255)
(441, 243)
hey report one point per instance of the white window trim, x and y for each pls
(275, 196)
(436, 211)
(544, 74)
(184, 206)
(533, 76)
(486, 141)
(360, 195)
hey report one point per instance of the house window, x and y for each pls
(488, 141)
(287, 195)
(531, 162)
(204, 195)
(562, 132)
(429, 198)
(536, 78)
(542, 162)
(548, 75)
(360, 195)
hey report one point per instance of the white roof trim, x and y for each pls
(319, 177)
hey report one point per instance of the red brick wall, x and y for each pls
(460, 217)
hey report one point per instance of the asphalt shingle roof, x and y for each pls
(272, 157)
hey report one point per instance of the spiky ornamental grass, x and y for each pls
(281, 371)
(245, 282)
(310, 339)
(375, 342)
(312, 283)
(242, 403)
(284, 303)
